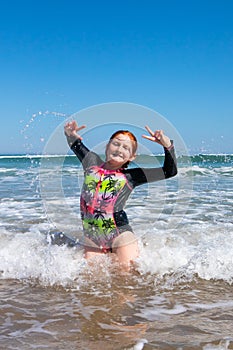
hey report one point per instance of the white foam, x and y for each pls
(202, 250)
(194, 249)
(29, 256)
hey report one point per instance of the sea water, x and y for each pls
(179, 295)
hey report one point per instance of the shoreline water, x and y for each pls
(180, 295)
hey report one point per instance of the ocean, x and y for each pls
(178, 296)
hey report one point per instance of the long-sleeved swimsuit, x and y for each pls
(105, 193)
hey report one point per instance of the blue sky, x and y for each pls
(175, 57)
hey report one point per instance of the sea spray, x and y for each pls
(38, 128)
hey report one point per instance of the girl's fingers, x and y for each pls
(149, 130)
(155, 135)
(80, 127)
(151, 138)
(74, 126)
(158, 134)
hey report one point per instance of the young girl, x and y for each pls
(107, 186)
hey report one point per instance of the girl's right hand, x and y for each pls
(71, 130)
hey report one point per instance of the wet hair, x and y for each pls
(132, 138)
(130, 135)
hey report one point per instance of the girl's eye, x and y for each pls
(118, 144)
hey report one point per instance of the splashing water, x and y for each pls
(39, 128)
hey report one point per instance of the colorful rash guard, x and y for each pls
(105, 193)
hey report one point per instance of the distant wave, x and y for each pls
(200, 164)
(31, 156)
(197, 170)
(208, 158)
(195, 158)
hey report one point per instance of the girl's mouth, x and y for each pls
(117, 155)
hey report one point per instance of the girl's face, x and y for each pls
(119, 151)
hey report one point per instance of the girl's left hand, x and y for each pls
(158, 136)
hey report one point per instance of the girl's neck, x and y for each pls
(109, 166)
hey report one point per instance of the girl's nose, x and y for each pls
(120, 148)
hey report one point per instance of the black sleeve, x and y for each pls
(140, 176)
(86, 157)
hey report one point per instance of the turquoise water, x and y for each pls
(180, 294)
